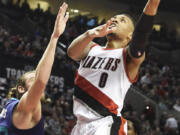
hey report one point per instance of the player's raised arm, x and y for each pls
(151, 7)
(80, 47)
(142, 30)
(31, 98)
(136, 49)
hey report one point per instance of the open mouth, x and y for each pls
(112, 25)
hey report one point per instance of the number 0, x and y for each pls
(103, 79)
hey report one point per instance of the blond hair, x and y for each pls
(14, 93)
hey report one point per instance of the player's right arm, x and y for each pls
(28, 110)
(80, 47)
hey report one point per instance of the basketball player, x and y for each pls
(22, 115)
(106, 73)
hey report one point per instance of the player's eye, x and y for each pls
(123, 20)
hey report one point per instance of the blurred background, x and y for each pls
(152, 104)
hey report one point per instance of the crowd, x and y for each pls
(158, 82)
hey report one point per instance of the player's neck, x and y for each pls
(115, 44)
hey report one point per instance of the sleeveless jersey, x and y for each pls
(7, 127)
(101, 84)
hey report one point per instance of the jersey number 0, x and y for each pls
(103, 80)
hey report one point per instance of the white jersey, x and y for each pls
(103, 76)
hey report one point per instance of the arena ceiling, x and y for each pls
(106, 7)
(167, 5)
(166, 2)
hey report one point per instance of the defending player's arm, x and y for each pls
(136, 49)
(80, 47)
(31, 99)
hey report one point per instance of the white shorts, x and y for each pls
(98, 127)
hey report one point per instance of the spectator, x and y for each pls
(146, 79)
(171, 126)
(176, 106)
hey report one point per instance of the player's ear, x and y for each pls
(21, 89)
(129, 37)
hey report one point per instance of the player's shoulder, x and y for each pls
(93, 44)
(12, 100)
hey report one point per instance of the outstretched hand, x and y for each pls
(102, 30)
(61, 20)
(155, 2)
(151, 7)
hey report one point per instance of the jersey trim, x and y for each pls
(108, 48)
(117, 122)
(121, 130)
(94, 92)
(93, 46)
(126, 69)
(91, 102)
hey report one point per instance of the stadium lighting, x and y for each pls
(76, 11)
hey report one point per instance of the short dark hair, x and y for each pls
(131, 18)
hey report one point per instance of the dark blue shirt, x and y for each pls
(7, 127)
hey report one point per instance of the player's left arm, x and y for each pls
(136, 50)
